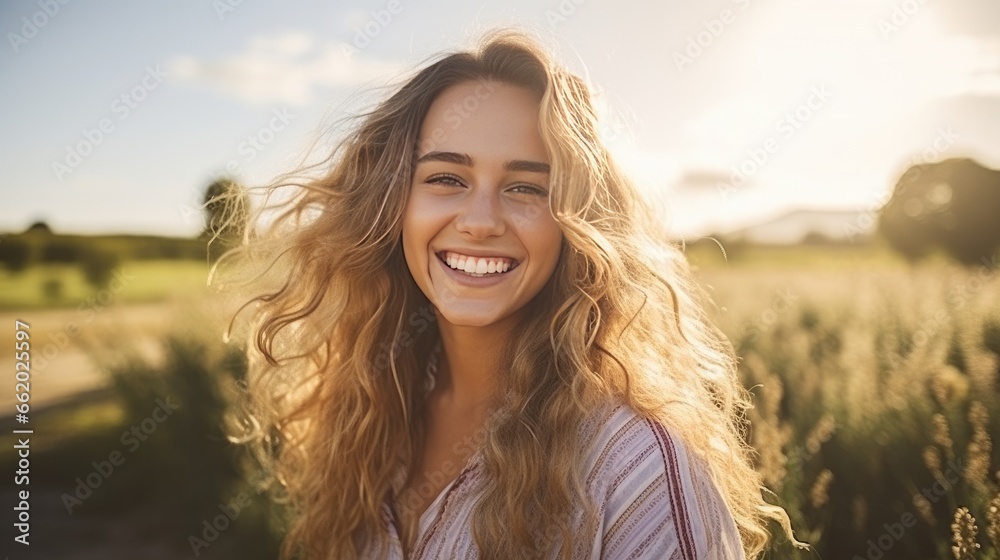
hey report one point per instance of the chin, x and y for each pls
(467, 318)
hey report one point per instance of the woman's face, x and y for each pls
(477, 233)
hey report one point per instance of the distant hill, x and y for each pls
(797, 226)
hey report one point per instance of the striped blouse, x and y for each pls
(654, 500)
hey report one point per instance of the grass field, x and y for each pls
(133, 282)
(877, 399)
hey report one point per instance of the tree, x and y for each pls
(39, 227)
(951, 204)
(15, 253)
(227, 210)
(57, 250)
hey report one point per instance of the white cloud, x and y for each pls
(288, 68)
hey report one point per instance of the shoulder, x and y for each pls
(653, 496)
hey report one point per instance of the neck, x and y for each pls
(469, 371)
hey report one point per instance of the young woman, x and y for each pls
(482, 347)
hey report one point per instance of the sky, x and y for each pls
(117, 115)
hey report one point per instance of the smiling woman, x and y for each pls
(566, 399)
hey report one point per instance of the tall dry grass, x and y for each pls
(877, 400)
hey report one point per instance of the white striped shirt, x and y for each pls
(654, 500)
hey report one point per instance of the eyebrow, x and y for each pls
(466, 160)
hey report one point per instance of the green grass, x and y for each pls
(137, 282)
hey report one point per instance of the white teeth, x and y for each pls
(477, 266)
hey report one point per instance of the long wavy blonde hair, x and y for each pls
(340, 343)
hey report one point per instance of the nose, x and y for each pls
(481, 215)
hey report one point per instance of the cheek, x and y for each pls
(546, 238)
(424, 217)
(548, 229)
(412, 236)
(420, 224)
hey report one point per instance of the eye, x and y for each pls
(530, 189)
(445, 179)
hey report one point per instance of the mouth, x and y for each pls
(477, 267)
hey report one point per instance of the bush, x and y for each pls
(98, 266)
(189, 467)
(53, 289)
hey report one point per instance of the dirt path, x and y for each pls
(60, 367)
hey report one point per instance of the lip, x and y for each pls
(472, 281)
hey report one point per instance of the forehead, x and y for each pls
(486, 120)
